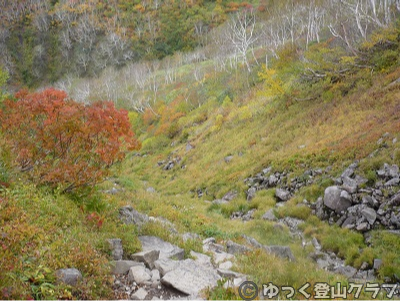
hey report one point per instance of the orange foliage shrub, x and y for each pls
(62, 142)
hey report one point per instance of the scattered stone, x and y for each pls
(123, 266)
(128, 215)
(227, 265)
(392, 182)
(138, 274)
(364, 266)
(282, 195)
(347, 271)
(369, 214)
(140, 294)
(251, 193)
(147, 257)
(220, 257)
(316, 244)
(377, 264)
(234, 248)
(333, 200)
(69, 276)
(150, 190)
(189, 147)
(362, 227)
(269, 215)
(201, 258)
(349, 185)
(191, 278)
(116, 248)
(165, 265)
(155, 276)
(228, 159)
(167, 250)
(230, 196)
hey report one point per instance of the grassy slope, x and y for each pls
(42, 231)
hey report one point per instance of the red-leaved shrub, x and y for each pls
(62, 142)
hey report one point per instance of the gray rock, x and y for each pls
(155, 275)
(319, 209)
(147, 257)
(248, 215)
(345, 195)
(316, 244)
(140, 294)
(349, 185)
(167, 250)
(226, 273)
(227, 265)
(272, 180)
(150, 190)
(191, 278)
(349, 171)
(267, 170)
(252, 241)
(364, 266)
(189, 147)
(138, 274)
(128, 215)
(393, 182)
(69, 276)
(282, 194)
(220, 257)
(165, 265)
(360, 180)
(370, 201)
(234, 248)
(269, 215)
(333, 200)
(281, 251)
(201, 258)
(377, 263)
(230, 196)
(369, 214)
(212, 247)
(122, 266)
(393, 171)
(362, 227)
(228, 159)
(116, 248)
(347, 271)
(251, 193)
(209, 240)
(349, 222)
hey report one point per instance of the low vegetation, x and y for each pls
(314, 105)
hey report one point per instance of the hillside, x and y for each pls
(283, 158)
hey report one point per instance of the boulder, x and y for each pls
(69, 276)
(191, 278)
(392, 182)
(167, 250)
(377, 263)
(282, 194)
(349, 171)
(165, 265)
(350, 185)
(140, 294)
(226, 273)
(120, 267)
(227, 265)
(201, 258)
(333, 200)
(220, 257)
(147, 257)
(369, 214)
(272, 180)
(139, 274)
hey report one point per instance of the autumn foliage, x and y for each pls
(62, 142)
